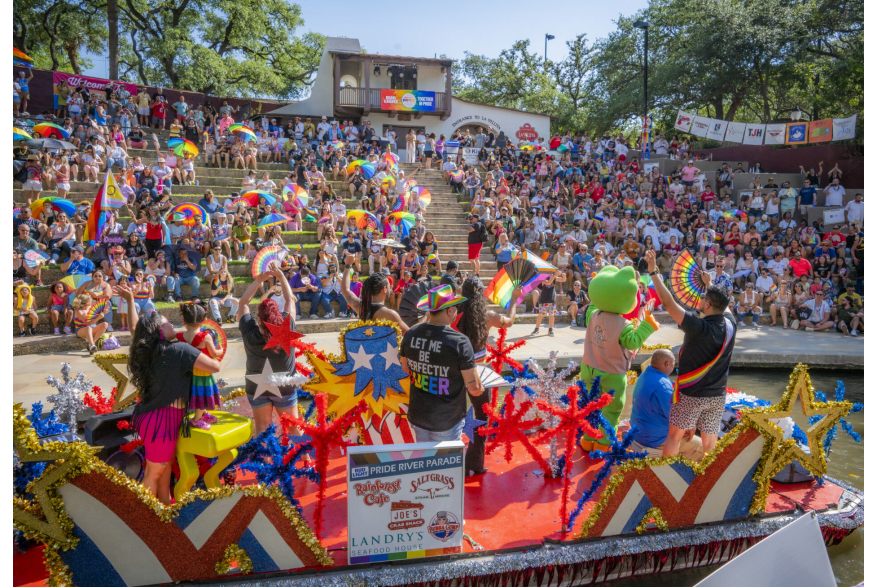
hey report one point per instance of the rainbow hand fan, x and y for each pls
(325, 219)
(218, 335)
(542, 266)
(400, 204)
(34, 257)
(189, 212)
(336, 145)
(515, 273)
(456, 174)
(263, 259)
(423, 194)
(686, 282)
(96, 308)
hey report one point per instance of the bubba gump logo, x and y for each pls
(431, 483)
(443, 526)
(375, 492)
(527, 133)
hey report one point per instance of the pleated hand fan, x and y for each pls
(686, 282)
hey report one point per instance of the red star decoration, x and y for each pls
(325, 435)
(97, 401)
(509, 427)
(282, 335)
(499, 355)
(572, 419)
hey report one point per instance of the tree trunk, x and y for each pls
(113, 38)
(72, 50)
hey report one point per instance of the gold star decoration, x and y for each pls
(46, 517)
(778, 451)
(107, 363)
(369, 332)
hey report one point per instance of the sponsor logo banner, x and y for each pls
(717, 129)
(96, 86)
(775, 134)
(754, 134)
(701, 126)
(796, 133)
(408, 100)
(683, 121)
(820, 130)
(736, 132)
(844, 128)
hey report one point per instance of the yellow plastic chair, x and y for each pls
(220, 442)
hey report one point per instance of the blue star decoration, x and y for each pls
(616, 455)
(373, 355)
(470, 424)
(303, 439)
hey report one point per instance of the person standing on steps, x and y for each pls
(474, 321)
(370, 304)
(476, 239)
(704, 359)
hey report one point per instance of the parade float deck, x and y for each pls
(513, 528)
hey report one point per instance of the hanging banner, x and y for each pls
(700, 126)
(683, 121)
(735, 132)
(96, 86)
(408, 100)
(820, 130)
(754, 134)
(404, 501)
(775, 134)
(796, 133)
(717, 129)
(844, 128)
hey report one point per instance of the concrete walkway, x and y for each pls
(765, 348)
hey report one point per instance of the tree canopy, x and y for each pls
(728, 59)
(226, 47)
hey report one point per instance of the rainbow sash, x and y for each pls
(689, 379)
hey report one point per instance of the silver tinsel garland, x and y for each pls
(559, 555)
(549, 386)
(68, 401)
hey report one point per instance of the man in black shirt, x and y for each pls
(476, 238)
(441, 364)
(704, 360)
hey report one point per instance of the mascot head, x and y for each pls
(614, 290)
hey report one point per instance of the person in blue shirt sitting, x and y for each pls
(77, 263)
(580, 263)
(652, 400)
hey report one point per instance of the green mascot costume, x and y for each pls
(611, 340)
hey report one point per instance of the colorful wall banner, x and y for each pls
(408, 100)
(683, 121)
(754, 134)
(796, 133)
(404, 501)
(700, 126)
(844, 128)
(96, 86)
(717, 129)
(775, 134)
(820, 130)
(736, 132)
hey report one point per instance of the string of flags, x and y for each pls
(783, 133)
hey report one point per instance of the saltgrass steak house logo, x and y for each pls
(443, 526)
(431, 483)
(405, 515)
(409, 100)
(375, 492)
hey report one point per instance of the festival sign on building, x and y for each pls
(404, 501)
(408, 100)
(96, 86)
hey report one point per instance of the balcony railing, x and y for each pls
(371, 98)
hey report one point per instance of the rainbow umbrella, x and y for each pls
(19, 134)
(336, 144)
(242, 131)
(21, 58)
(189, 212)
(74, 281)
(273, 219)
(364, 219)
(34, 257)
(50, 129)
(354, 165)
(55, 203)
(405, 219)
(457, 174)
(182, 147)
(423, 194)
(388, 184)
(735, 215)
(298, 194)
(253, 197)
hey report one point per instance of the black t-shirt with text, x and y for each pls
(437, 356)
(703, 340)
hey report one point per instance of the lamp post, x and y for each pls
(796, 114)
(547, 38)
(641, 24)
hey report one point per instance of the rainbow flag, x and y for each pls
(499, 291)
(108, 198)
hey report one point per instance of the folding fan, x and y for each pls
(515, 273)
(490, 378)
(408, 310)
(686, 282)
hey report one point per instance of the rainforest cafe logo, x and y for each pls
(372, 492)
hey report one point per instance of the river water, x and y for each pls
(846, 463)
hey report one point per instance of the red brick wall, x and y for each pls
(850, 159)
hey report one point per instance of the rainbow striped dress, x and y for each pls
(205, 393)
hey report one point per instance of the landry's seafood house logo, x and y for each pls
(375, 492)
(431, 483)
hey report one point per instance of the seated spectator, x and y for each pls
(578, 301)
(59, 307)
(25, 306)
(652, 400)
(306, 289)
(331, 292)
(850, 316)
(747, 305)
(222, 294)
(89, 329)
(820, 314)
(184, 272)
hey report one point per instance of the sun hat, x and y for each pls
(439, 298)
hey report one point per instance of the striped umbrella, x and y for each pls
(402, 218)
(50, 129)
(297, 194)
(253, 197)
(19, 134)
(182, 147)
(364, 219)
(273, 219)
(189, 212)
(354, 165)
(242, 131)
(54, 203)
